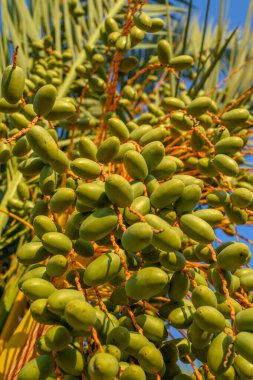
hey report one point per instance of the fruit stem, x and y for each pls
(57, 369)
(96, 340)
(14, 58)
(118, 253)
(197, 373)
(229, 303)
(27, 224)
(23, 131)
(138, 214)
(133, 319)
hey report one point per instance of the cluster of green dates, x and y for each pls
(129, 195)
(112, 36)
(206, 315)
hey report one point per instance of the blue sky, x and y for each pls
(237, 10)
